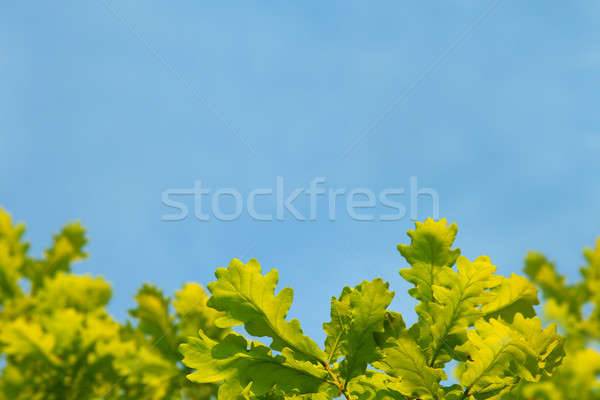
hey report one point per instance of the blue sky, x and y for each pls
(105, 105)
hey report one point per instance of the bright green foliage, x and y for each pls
(459, 296)
(248, 297)
(484, 321)
(356, 316)
(191, 311)
(233, 359)
(576, 309)
(404, 360)
(503, 353)
(58, 342)
(428, 253)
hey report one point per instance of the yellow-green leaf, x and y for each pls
(249, 297)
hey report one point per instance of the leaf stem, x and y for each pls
(342, 387)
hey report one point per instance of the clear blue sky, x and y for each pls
(105, 105)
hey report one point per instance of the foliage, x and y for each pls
(576, 308)
(485, 322)
(59, 342)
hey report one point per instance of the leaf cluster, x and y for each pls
(466, 313)
(575, 307)
(57, 341)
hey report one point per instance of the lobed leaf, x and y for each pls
(66, 249)
(155, 321)
(231, 360)
(374, 386)
(193, 313)
(501, 354)
(514, 295)
(430, 256)
(357, 315)
(428, 253)
(403, 359)
(248, 297)
(458, 299)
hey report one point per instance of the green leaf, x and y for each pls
(428, 253)
(356, 316)
(591, 273)
(341, 318)
(374, 386)
(22, 339)
(232, 361)
(64, 324)
(146, 366)
(403, 359)
(233, 390)
(501, 354)
(545, 345)
(568, 298)
(491, 349)
(393, 327)
(12, 256)
(454, 392)
(248, 297)
(543, 273)
(458, 297)
(430, 256)
(565, 303)
(514, 295)
(152, 313)
(81, 292)
(193, 312)
(66, 249)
